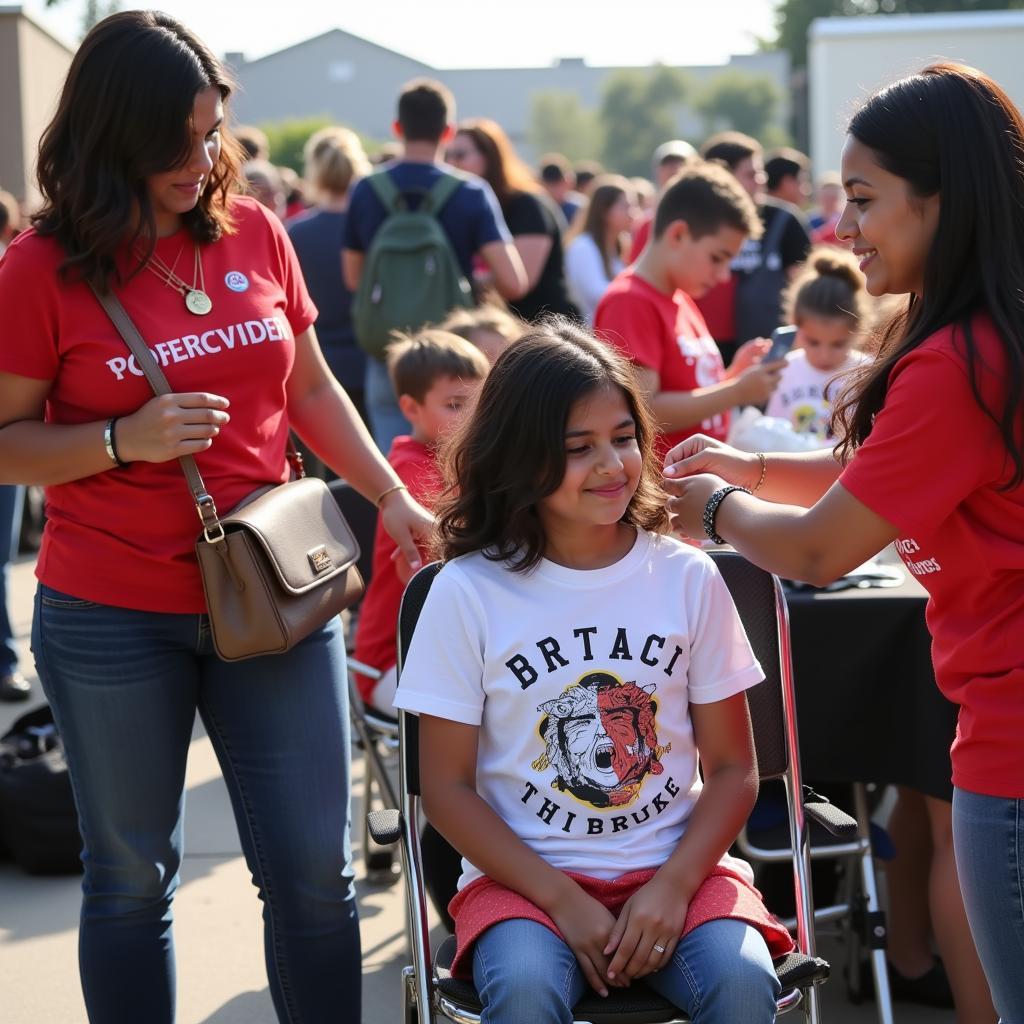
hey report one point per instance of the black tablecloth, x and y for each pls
(867, 704)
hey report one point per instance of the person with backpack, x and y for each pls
(413, 233)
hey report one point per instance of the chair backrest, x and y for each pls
(762, 610)
(415, 595)
(361, 516)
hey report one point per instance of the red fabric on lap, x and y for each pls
(722, 894)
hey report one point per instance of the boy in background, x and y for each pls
(650, 311)
(436, 376)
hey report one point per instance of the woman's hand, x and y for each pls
(687, 507)
(407, 522)
(703, 454)
(169, 426)
(652, 917)
(586, 925)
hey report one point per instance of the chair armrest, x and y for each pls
(830, 817)
(385, 827)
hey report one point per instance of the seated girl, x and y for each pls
(571, 664)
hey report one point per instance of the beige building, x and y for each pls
(850, 58)
(356, 82)
(33, 64)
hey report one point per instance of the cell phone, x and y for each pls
(782, 341)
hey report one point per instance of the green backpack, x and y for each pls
(411, 276)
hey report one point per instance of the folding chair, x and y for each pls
(431, 992)
(377, 733)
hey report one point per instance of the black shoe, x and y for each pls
(928, 989)
(14, 687)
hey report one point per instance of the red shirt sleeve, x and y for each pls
(632, 326)
(28, 297)
(643, 233)
(931, 444)
(301, 311)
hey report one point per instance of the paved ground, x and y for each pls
(218, 928)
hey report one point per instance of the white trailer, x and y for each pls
(849, 58)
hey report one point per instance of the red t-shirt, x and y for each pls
(640, 238)
(718, 307)
(126, 537)
(666, 334)
(416, 465)
(933, 465)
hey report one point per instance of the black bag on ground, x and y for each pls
(38, 820)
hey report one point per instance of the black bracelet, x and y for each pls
(711, 510)
(110, 441)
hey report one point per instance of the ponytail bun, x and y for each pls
(831, 285)
(838, 263)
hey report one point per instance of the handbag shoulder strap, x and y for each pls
(158, 382)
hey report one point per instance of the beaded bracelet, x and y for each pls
(711, 510)
(764, 470)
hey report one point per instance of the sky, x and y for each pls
(465, 33)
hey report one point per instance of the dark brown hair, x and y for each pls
(731, 148)
(125, 113)
(608, 190)
(425, 109)
(510, 453)
(952, 130)
(504, 171)
(707, 197)
(416, 361)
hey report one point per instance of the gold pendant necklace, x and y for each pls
(197, 301)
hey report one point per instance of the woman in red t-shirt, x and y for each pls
(932, 456)
(139, 183)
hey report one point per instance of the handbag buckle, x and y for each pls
(207, 510)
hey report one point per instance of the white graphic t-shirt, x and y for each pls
(804, 395)
(581, 683)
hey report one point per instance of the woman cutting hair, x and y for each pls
(138, 178)
(931, 454)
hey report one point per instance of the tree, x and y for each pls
(740, 101)
(793, 17)
(287, 138)
(639, 111)
(559, 123)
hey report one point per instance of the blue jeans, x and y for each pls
(988, 836)
(721, 973)
(11, 500)
(386, 419)
(125, 686)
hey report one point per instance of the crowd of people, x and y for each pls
(532, 373)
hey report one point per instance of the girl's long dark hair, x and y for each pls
(125, 113)
(510, 453)
(952, 131)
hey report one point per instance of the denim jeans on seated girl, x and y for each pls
(720, 973)
(125, 687)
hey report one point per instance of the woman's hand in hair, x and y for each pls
(170, 426)
(703, 454)
(407, 522)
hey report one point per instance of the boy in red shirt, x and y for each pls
(436, 376)
(649, 312)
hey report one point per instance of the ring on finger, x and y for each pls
(659, 949)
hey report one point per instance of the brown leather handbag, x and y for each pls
(279, 565)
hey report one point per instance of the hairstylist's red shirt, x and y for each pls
(416, 465)
(126, 536)
(666, 334)
(933, 465)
